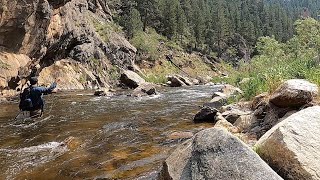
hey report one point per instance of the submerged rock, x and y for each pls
(292, 146)
(131, 79)
(294, 93)
(180, 135)
(215, 154)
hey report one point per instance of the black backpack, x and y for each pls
(25, 100)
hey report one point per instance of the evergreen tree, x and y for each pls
(181, 23)
(198, 24)
(149, 11)
(169, 15)
(216, 22)
(134, 23)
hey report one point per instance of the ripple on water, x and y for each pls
(18, 160)
(124, 137)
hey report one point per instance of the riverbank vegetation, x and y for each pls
(276, 62)
(259, 43)
(221, 28)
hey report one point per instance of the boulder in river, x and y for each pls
(218, 94)
(217, 102)
(103, 92)
(131, 79)
(178, 81)
(294, 93)
(206, 114)
(144, 89)
(215, 154)
(292, 146)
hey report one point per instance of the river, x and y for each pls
(117, 137)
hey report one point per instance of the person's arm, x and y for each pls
(48, 90)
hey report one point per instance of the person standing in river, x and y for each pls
(31, 99)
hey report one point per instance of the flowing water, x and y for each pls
(85, 137)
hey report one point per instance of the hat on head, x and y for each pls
(33, 80)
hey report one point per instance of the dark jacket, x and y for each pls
(36, 93)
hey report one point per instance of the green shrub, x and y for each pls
(157, 79)
(148, 43)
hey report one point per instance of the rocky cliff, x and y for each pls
(59, 37)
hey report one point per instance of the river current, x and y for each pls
(85, 137)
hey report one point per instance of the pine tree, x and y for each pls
(169, 17)
(134, 23)
(181, 23)
(215, 22)
(198, 24)
(149, 10)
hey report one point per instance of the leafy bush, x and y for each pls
(148, 43)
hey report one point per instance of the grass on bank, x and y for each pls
(296, 59)
(152, 50)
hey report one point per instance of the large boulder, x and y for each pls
(144, 89)
(294, 93)
(216, 154)
(173, 81)
(216, 102)
(292, 146)
(178, 81)
(131, 79)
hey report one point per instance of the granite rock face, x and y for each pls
(47, 31)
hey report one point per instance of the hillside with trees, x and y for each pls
(221, 28)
